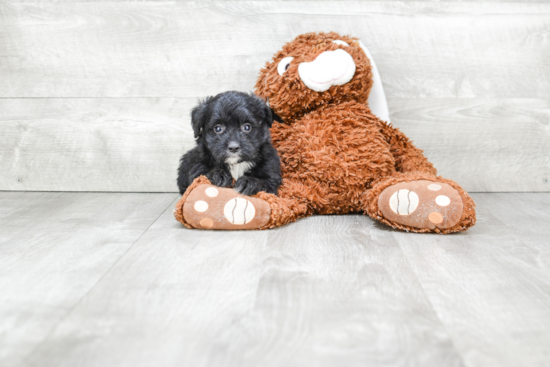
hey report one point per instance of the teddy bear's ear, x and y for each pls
(377, 98)
(198, 118)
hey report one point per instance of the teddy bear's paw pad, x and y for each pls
(421, 204)
(211, 207)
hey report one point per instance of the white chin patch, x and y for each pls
(232, 160)
(239, 169)
(328, 69)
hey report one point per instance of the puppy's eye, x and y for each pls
(218, 129)
(283, 65)
(246, 128)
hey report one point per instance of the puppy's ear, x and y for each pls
(271, 115)
(276, 117)
(198, 117)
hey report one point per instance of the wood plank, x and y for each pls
(53, 249)
(187, 286)
(485, 145)
(490, 286)
(530, 210)
(139, 1)
(134, 144)
(14, 205)
(324, 291)
(189, 49)
(116, 49)
(97, 144)
(528, 221)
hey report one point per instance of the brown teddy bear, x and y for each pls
(337, 157)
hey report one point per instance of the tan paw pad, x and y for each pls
(421, 204)
(435, 217)
(206, 222)
(211, 207)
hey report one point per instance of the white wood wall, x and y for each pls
(95, 96)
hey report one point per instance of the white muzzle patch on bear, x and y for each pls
(328, 69)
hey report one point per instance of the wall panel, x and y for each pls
(96, 95)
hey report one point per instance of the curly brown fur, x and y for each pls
(178, 213)
(290, 98)
(331, 143)
(408, 158)
(336, 155)
(335, 151)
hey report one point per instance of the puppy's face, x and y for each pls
(232, 126)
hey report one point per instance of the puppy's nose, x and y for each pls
(233, 147)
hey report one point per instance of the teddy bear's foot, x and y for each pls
(422, 204)
(211, 207)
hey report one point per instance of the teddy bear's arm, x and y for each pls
(408, 158)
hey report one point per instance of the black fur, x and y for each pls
(232, 111)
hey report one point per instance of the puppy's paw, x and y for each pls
(249, 185)
(219, 178)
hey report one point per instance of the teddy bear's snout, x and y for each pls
(328, 69)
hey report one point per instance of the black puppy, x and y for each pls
(233, 142)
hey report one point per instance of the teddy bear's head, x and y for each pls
(313, 70)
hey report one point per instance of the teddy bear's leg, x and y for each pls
(420, 202)
(205, 206)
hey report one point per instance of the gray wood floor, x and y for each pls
(110, 279)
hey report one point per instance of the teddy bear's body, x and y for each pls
(335, 152)
(336, 156)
